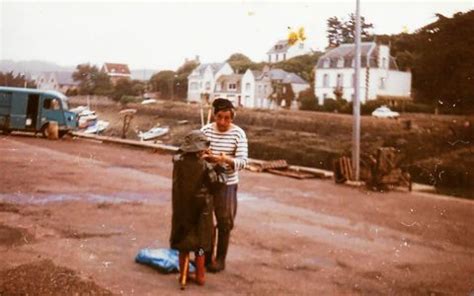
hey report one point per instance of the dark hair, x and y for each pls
(221, 104)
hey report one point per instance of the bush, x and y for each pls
(129, 99)
(418, 108)
(308, 100)
(331, 105)
(72, 92)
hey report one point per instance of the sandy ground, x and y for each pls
(74, 213)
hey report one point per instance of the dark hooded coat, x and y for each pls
(192, 220)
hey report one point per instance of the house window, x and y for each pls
(382, 83)
(325, 96)
(301, 46)
(340, 80)
(284, 56)
(232, 86)
(340, 62)
(265, 89)
(276, 58)
(200, 84)
(222, 85)
(326, 63)
(326, 80)
(269, 58)
(247, 86)
(384, 63)
(208, 85)
(194, 85)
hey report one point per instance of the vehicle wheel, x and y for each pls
(44, 130)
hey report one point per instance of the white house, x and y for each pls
(229, 86)
(379, 74)
(283, 51)
(202, 81)
(258, 86)
(60, 81)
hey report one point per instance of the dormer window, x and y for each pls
(326, 63)
(340, 62)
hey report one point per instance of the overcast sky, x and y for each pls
(160, 35)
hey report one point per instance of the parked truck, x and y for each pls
(31, 110)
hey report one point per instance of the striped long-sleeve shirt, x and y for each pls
(233, 143)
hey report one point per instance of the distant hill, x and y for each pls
(33, 67)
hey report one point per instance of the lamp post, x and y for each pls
(356, 103)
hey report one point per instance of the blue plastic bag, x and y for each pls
(165, 260)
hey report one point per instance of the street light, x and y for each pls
(356, 103)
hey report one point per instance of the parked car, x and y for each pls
(385, 112)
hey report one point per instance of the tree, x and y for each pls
(102, 84)
(91, 81)
(340, 31)
(441, 57)
(282, 92)
(181, 81)
(240, 63)
(444, 70)
(18, 80)
(301, 65)
(126, 87)
(164, 82)
(334, 31)
(85, 75)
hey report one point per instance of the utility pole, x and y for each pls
(356, 103)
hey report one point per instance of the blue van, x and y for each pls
(31, 110)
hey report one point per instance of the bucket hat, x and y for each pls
(195, 141)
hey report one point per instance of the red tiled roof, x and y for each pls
(116, 68)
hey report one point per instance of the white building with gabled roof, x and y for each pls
(61, 81)
(202, 80)
(283, 51)
(379, 74)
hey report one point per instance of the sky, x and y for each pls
(160, 35)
